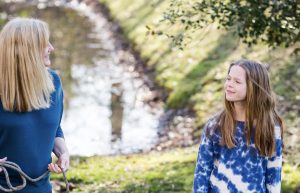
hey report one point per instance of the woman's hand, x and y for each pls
(2, 160)
(62, 164)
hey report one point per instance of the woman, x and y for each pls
(31, 104)
(241, 148)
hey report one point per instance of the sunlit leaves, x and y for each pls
(276, 23)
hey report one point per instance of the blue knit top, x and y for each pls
(238, 170)
(28, 140)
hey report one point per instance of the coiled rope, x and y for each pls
(24, 177)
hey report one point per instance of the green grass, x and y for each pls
(193, 77)
(154, 172)
(291, 176)
(159, 172)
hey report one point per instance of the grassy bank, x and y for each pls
(194, 76)
(159, 172)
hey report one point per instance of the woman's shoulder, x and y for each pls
(56, 78)
(53, 73)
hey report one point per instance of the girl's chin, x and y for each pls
(236, 101)
(232, 99)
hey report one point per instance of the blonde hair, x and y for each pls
(25, 83)
(260, 110)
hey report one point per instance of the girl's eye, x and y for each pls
(238, 82)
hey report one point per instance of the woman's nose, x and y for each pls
(50, 47)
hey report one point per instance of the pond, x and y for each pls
(104, 110)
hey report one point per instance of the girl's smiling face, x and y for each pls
(235, 85)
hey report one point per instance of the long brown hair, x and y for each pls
(261, 114)
(25, 83)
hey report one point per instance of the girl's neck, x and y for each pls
(240, 111)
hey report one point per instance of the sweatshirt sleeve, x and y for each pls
(60, 100)
(204, 164)
(59, 132)
(274, 166)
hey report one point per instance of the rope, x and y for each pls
(24, 177)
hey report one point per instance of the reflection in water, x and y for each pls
(104, 112)
(116, 111)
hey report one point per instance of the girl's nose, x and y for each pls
(229, 84)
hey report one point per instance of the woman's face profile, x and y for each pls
(47, 52)
(235, 85)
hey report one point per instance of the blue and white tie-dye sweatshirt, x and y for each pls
(238, 170)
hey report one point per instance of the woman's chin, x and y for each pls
(47, 64)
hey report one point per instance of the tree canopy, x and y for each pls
(274, 22)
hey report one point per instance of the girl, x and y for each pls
(241, 148)
(31, 104)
